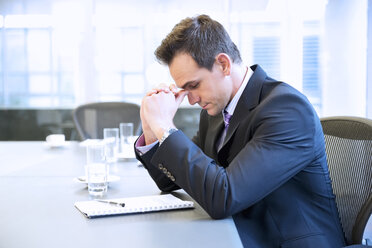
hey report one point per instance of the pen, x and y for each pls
(119, 204)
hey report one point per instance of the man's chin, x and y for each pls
(213, 112)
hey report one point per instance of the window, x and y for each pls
(311, 68)
(32, 71)
(107, 54)
(104, 50)
(120, 64)
(266, 53)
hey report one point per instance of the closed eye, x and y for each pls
(190, 85)
(193, 86)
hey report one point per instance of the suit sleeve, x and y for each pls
(160, 175)
(281, 146)
(163, 182)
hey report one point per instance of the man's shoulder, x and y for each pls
(275, 89)
(280, 97)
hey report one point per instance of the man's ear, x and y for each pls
(224, 62)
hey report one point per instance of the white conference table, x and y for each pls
(38, 192)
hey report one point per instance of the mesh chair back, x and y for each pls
(90, 119)
(349, 155)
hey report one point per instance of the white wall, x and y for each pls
(345, 59)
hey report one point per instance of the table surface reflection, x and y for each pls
(38, 192)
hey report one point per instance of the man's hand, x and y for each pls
(158, 109)
(147, 132)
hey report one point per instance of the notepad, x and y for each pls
(142, 204)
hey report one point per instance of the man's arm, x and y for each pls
(162, 181)
(282, 145)
(174, 99)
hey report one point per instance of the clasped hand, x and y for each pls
(158, 109)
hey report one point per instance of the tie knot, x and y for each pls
(226, 118)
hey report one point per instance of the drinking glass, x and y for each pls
(126, 138)
(111, 140)
(96, 169)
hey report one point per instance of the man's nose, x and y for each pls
(193, 98)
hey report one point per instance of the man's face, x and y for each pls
(210, 89)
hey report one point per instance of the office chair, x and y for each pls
(90, 119)
(348, 143)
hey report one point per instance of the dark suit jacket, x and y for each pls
(271, 173)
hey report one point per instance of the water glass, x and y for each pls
(96, 169)
(126, 137)
(111, 140)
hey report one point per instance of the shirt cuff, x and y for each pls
(141, 146)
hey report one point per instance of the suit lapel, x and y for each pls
(216, 125)
(248, 100)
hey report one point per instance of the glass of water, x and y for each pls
(111, 140)
(96, 169)
(126, 138)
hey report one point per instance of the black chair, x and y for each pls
(349, 155)
(90, 119)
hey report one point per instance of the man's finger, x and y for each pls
(173, 88)
(151, 92)
(162, 89)
(180, 96)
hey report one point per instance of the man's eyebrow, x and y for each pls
(187, 84)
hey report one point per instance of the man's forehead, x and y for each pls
(183, 78)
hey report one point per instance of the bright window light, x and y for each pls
(134, 84)
(27, 21)
(40, 84)
(92, 50)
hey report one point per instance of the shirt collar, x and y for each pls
(232, 105)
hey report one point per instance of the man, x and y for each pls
(267, 168)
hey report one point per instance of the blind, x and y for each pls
(266, 53)
(311, 73)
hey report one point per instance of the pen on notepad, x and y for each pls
(119, 204)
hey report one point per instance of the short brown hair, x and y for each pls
(201, 37)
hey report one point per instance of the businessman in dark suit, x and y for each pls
(259, 154)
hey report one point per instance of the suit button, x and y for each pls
(165, 170)
(172, 178)
(169, 174)
(160, 166)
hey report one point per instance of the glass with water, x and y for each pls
(96, 169)
(111, 140)
(126, 138)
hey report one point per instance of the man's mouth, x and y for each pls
(205, 106)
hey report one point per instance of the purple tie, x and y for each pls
(226, 119)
